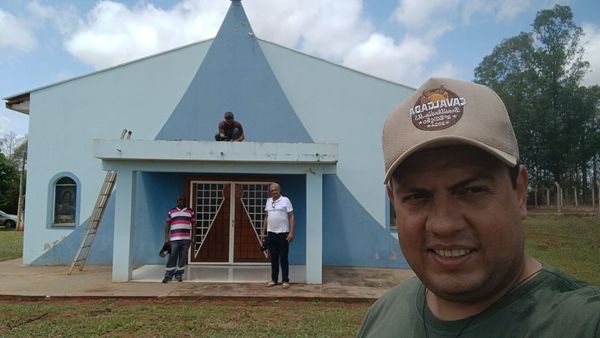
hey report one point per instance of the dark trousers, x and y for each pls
(230, 135)
(177, 258)
(278, 249)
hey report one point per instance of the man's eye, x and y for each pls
(415, 197)
(471, 190)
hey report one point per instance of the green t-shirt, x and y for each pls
(552, 304)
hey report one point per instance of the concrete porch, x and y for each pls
(339, 283)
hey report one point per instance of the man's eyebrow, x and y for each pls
(410, 187)
(475, 178)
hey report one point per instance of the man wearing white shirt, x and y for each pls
(280, 221)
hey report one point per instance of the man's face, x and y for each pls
(181, 202)
(275, 191)
(229, 121)
(459, 221)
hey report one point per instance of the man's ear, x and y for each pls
(522, 190)
(390, 191)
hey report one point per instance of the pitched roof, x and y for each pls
(235, 76)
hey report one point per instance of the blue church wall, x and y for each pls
(156, 193)
(351, 237)
(294, 188)
(344, 223)
(63, 251)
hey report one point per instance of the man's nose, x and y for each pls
(445, 217)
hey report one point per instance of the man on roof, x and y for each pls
(230, 129)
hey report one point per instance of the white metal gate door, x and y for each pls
(229, 217)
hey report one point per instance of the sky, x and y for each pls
(405, 41)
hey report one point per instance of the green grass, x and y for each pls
(570, 243)
(180, 318)
(11, 244)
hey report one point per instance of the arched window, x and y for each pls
(65, 197)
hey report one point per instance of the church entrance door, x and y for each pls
(229, 218)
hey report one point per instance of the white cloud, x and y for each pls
(327, 29)
(113, 33)
(15, 33)
(418, 14)
(591, 42)
(64, 18)
(340, 31)
(432, 20)
(510, 9)
(381, 56)
(334, 28)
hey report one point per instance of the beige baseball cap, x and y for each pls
(448, 112)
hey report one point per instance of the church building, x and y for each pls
(310, 125)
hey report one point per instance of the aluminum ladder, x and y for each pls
(93, 222)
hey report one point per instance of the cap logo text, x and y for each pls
(437, 109)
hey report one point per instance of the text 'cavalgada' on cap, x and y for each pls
(448, 112)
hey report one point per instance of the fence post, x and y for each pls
(593, 198)
(598, 185)
(575, 196)
(558, 197)
(535, 197)
(547, 197)
(562, 197)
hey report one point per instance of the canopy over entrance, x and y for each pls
(128, 157)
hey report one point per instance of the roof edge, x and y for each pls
(19, 96)
(19, 103)
(336, 64)
(9, 98)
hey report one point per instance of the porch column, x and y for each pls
(123, 227)
(314, 228)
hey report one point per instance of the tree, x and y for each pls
(538, 76)
(507, 70)
(9, 185)
(12, 156)
(19, 157)
(19, 153)
(8, 143)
